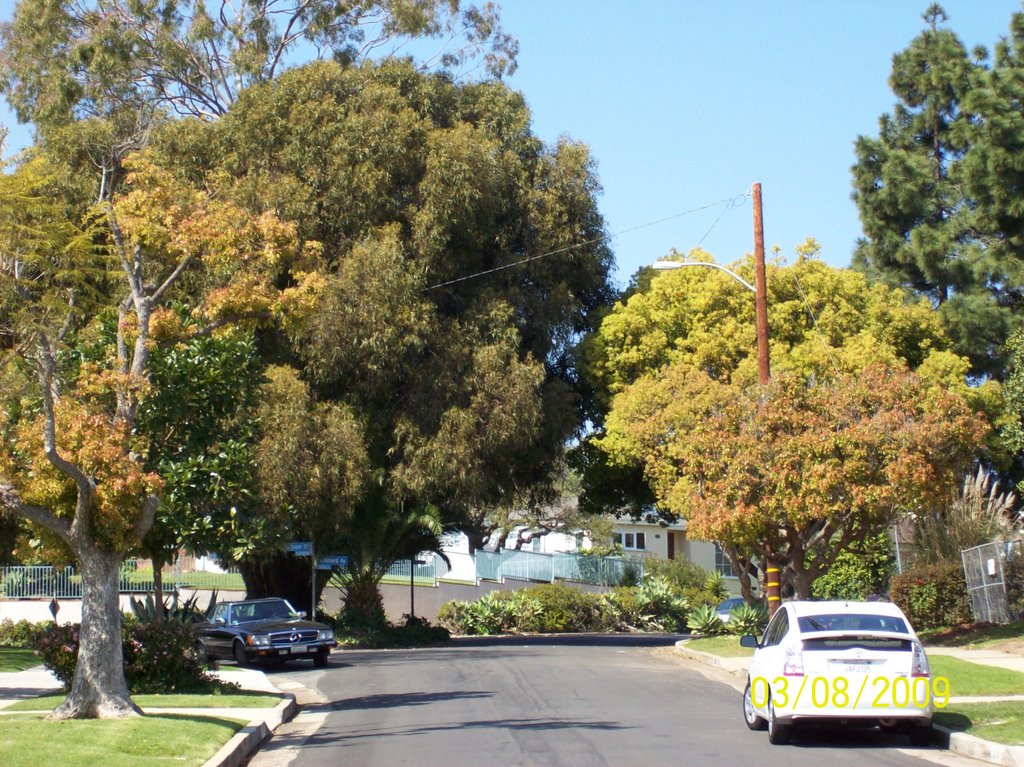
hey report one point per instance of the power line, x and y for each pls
(729, 203)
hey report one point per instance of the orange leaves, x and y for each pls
(795, 456)
(98, 448)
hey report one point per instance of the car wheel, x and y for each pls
(778, 733)
(321, 658)
(921, 735)
(204, 658)
(239, 652)
(750, 716)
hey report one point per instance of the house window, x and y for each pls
(722, 564)
(633, 541)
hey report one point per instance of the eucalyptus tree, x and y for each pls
(69, 59)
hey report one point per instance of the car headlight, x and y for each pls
(325, 634)
(260, 640)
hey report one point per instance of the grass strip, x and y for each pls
(966, 678)
(973, 637)
(231, 700)
(142, 741)
(1000, 722)
(723, 646)
(17, 659)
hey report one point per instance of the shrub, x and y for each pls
(662, 605)
(58, 647)
(523, 611)
(858, 572)
(23, 634)
(747, 620)
(563, 608)
(488, 614)
(705, 621)
(932, 596)
(452, 616)
(158, 657)
(625, 605)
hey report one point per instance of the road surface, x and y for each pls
(575, 701)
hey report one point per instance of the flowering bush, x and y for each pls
(932, 596)
(158, 657)
(58, 646)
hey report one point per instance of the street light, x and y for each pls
(760, 291)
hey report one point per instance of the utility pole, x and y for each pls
(764, 373)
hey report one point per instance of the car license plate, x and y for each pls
(299, 648)
(856, 667)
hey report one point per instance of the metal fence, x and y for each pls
(43, 581)
(580, 568)
(995, 580)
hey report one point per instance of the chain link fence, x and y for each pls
(995, 580)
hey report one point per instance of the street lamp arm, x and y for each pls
(669, 265)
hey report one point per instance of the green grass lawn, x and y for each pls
(973, 637)
(145, 741)
(228, 700)
(725, 646)
(975, 679)
(17, 659)
(999, 722)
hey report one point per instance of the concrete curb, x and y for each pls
(976, 748)
(247, 741)
(734, 666)
(958, 742)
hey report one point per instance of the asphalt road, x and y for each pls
(574, 701)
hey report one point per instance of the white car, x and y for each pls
(840, 663)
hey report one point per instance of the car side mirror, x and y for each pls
(749, 641)
(219, 621)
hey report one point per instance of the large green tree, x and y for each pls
(937, 188)
(448, 262)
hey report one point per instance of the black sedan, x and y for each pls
(267, 630)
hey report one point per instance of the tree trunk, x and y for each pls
(284, 575)
(158, 587)
(363, 603)
(98, 689)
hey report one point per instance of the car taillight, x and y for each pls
(919, 662)
(794, 663)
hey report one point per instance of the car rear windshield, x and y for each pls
(810, 624)
(849, 642)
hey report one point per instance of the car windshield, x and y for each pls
(810, 624)
(245, 612)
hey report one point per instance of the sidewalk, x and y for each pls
(957, 742)
(33, 682)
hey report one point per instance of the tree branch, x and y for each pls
(11, 501)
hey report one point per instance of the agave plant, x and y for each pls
(747, 620)
(705, 621)
(175, 612)
(661, 605)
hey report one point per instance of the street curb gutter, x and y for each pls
(957, 742)
(247, 741)
(977, 748)
(735, 666)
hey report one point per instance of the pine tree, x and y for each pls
(923, 230)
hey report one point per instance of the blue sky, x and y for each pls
(686, 103)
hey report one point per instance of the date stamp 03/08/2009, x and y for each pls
(837, 692)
